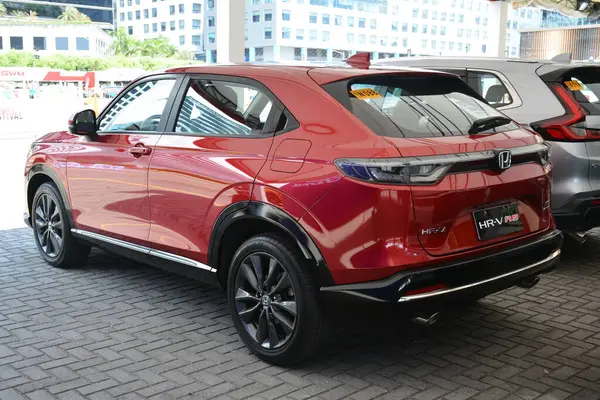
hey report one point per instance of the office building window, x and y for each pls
(424, 29)
(154, 13)
(299, 34)
(424, 43)
(443, 31)
(138, 14)
(268, 33)
(325, 36)
(211, 22)
(450, 46)
(513, 51)
(467, 47)
(39, 43)
(154, 27)
(362, 38)
(286, 33)
(312, 18)
(129, 3)
(137, 2)
(172, 25)
(442, 45)
(182, 40)
(129, 15)
(373, 39)
(146, 28)
(434, 30)
(211, 4)
(268, 15)
(460, 33)
(483, 48)
(255, 2)
(325, 19)
(394, 42)
(383, 40)
(197, 40)
(478, 20)
(404, 27)
(414, 28)
(362, 23)
(163, 26)
(515, 25)
(404, 43)
(196, 24)
(415, 12)
(313, 35)
(181, 8)
(443, 16)
(82, 43)
(146, 13)
(468, 33)
(181, 24)
(434, 15)
(395, 26)
(452, 17)
(255, 16)
(122, 16)
(196, 8)
(130, 30)
(350, 38)
(433, 44)
(285, 15)
(373, 23)
(172, 10)
(122, 3)
(485, 21)
(351, 22)
(425, 14)
(338, 20)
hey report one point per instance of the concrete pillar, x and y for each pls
(304, 53)
(251, 54)
(230, 30)
(209, 57)
(329, 55)
(276, 53)
(502, 30)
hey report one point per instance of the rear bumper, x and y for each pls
(580, 214)
(469, 278)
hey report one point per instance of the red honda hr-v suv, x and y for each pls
(284, 184)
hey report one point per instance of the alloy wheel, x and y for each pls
(48, 225)
(265, 300)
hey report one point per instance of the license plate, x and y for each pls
(498, 221)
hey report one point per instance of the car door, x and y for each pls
(220, 133)
(108, 173)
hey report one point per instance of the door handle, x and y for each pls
(140, 150)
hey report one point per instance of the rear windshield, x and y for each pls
(414, 107)
(584, 83)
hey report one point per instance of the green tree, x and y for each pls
(123, 44)
(3, 11)
(18, 14)
(71, 14)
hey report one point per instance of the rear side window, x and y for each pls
(414, 107)
(585, 87)
(490, 87)
(217, 107)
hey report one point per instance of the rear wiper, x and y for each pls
(483, 124)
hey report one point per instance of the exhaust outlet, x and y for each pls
(426, 321)
(529, 283)
(579, 237)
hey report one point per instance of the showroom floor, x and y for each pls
(116, 329)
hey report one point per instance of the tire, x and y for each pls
(50, 222)
(289, 288)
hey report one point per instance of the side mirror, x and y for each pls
(83, 123)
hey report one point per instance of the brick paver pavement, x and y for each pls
(116, 329)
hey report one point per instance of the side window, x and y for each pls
(490, 87)
(140, 109)
(217, 107)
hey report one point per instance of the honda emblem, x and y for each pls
(504, 159)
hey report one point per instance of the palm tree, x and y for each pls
(3, 11)
(32, 15)
(18, 14)
(71, 14)
(123, 44)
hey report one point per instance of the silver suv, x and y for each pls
(559, 101)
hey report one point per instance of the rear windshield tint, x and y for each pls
(414, 107)
(584, 83)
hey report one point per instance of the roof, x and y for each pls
(322, 73)
(459, 60)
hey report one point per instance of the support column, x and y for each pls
(502, 30)
(329, 55)
(276, 53)
(209, 57)
(230, 30)
(304, 53)
(251, 54)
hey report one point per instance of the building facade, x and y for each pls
(99, 11)
(334, 29)
(181, 21)
(47, 38)
(583, 42)
(518, 19)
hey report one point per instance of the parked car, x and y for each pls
(286, 184)
(561, 102)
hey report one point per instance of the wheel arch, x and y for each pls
(242, 220)
(37, 176)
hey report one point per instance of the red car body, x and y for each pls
(194, 198)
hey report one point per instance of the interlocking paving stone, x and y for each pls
(117, 329)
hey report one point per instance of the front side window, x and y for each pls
(490, 87)
(140, 109)
(414, 107)
(222, 108)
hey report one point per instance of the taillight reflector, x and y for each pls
(426, 289)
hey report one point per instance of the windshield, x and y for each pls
(414, 107)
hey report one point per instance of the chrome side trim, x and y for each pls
(143, 249)
(550, 258)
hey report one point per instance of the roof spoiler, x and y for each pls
(360, 60)
(563, 58)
